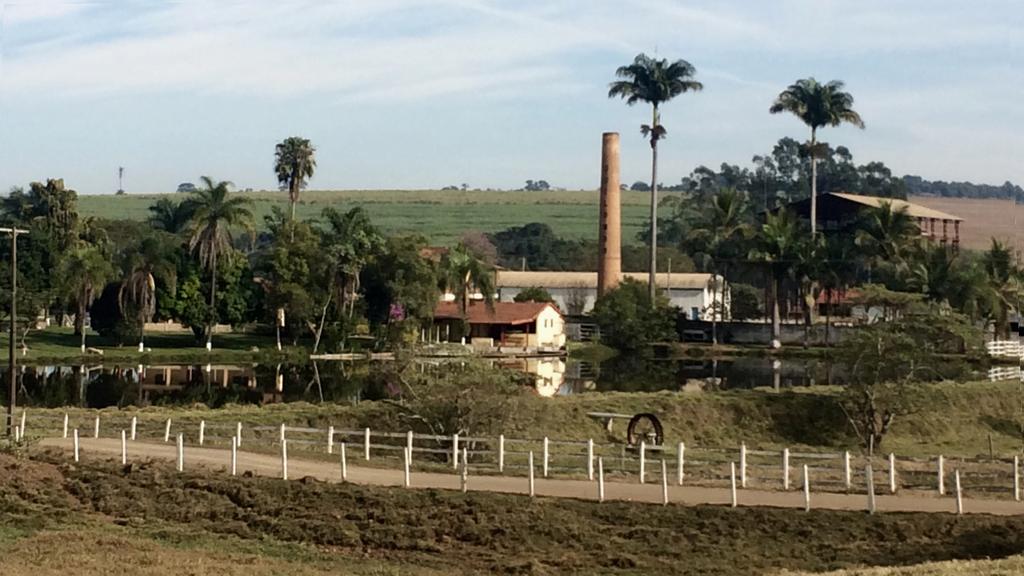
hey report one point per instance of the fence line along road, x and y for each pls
(698, 474)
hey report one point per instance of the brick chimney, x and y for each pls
(609, 267)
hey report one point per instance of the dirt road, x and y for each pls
(268, 465)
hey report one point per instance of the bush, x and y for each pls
(744, 302)
(630, 321)
(534, 294)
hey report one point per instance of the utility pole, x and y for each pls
(120, 179)
(12, 359)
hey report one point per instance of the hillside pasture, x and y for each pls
(440, 215)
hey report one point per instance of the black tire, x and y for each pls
(633, 438)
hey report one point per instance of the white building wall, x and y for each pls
(689, 301)
(550, 329)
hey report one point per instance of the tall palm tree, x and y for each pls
(294, 163)
(137, 295)
(817, 105)
(721, 228)
(215, 212)
(654, 82)
(462, 272)
(83, 271)
(777, 246)
(170, 216)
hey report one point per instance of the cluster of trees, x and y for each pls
(1007, 191)
(883, 248)
(198, 260)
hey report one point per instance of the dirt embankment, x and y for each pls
(420, 530)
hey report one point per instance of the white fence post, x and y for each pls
(366, 443)
(847, 475)
(238, 434)
(284, 458)
(870, 475)
(942, 476)
(501, 453)
(682, 459)
(181, 452)
(643, 461)
(743, 465)
(807, 490)
(406, 479)
(785, 468)
(1016, 478)
(167, 431)
(234, 455)
(732, 483)
(465, 470)
(76, 444)
(202, 432)
(135, 425)
(408, 443)
(124, 449)
(21, 432)
(959, 494)
(547, 455)
(892, 473)
(455, 451)
(529, 465)
(590, 459)
(344, 463)
(282, 432)
(330, 439)
(65, 424)
(600, 479)
(664, 483)
(96, 428)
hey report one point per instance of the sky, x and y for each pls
(401, 94)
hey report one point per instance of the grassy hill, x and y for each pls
(440, 215)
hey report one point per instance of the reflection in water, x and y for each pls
(351, 382)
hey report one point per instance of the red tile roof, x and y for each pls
(501, 313)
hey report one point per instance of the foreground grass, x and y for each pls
(949, 418)
(95, 518)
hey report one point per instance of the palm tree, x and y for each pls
(294, 163)
(84, 271)
(777, 247)
(887, 235)
(839, 270)
(722, 225)
(462, 272)
(138, 292)
(1004, 284)
(818, 105)
(351, 241)
(654, 82)
(215, 212)
(170, 216)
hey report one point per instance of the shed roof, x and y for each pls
(914, 210)
(507, 313)
(517, 279)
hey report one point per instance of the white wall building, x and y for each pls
(576, 292)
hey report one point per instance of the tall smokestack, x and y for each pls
(609, 267)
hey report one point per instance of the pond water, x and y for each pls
(216, 385)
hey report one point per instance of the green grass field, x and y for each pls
(440, 215)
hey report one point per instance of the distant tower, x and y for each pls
(609, 267)
(120, 179)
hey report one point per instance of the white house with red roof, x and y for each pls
(528, 325)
